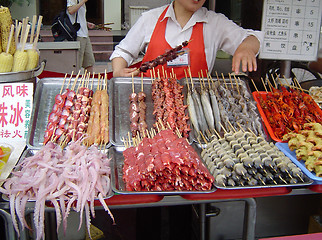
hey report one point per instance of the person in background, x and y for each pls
(166, 27)
(85, 54)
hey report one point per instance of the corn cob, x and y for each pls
(6, 59)
(33, 59)
(20, 58)
(5, 25)
(33, 55)
(20, 61)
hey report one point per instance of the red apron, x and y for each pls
(158, 45)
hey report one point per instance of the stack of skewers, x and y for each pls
(80, 114)
(216, 104)
(15, 57)
(243, 159)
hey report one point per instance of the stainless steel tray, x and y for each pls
(31, 152)
(44, 99)
(23, 75)
(306, 178)
(119, 91)
(118, 184)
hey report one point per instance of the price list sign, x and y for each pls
(292, 29)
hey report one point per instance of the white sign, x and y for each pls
(15, 110)
(292, 29)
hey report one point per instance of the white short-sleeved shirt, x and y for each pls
(219, 32)
(81, 18)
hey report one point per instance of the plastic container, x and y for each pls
(5, 152)
(270, 130)
(301, 164)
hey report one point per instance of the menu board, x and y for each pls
(292, 29)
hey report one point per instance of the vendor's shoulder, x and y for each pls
(154, 11)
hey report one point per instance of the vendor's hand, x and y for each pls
(126, 72)
(90, 25)
(245, 55)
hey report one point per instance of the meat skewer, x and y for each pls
(142, 110)
(134, 111)
(162, 59)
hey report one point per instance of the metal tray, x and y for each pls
(44, 99)
(23, 75)
(229, 84)
(307, 181)
(118, 184)
(119, 91)
(301, 164)
(31, 152)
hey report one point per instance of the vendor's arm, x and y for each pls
(121, 69)
(74, 8)
(245, 55)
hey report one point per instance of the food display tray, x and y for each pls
(263, 115)
(301, 164)
(307, 181)
(118, 185)
(31, 152)
(44, 99)
(119, 91)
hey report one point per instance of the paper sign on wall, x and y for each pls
(292, 29)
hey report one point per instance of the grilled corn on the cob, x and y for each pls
(33, 59)
(20, 61)
(5, 25)
(6, 62)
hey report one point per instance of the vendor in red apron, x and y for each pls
(166, 27)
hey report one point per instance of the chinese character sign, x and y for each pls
(292, 29)
(15, 110)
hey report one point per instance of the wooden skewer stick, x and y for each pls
(223, 127)
(141, 82)
(129, 137)
(223, 78)
(240, 126)
(250, 130)
(264, 84)
(234, 130)
(254, 85)
(298, 83)
(208, 79)
(123, 140)
(237, 85)
(274, 81)
(270, 85)
(203, 137)
(34, 20)
(34, 46)
(217, 77)
(218, 135)
(62, 86)
(231, 82)
(133, 83)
